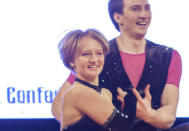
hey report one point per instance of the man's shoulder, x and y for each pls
(113, 46)
(154, 44)
(157, 47)
(112, 41)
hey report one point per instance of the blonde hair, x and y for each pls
(70, 44)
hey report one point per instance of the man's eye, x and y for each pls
(147, 7)
(136, 8)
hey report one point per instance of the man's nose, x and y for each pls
(144, 13)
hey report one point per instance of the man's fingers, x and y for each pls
(147, 92)
(122, 105)
(137, 94)
(121, 92)
(121, 99)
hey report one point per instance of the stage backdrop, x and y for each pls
(31, 71)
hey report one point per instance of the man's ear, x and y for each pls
(118, 18)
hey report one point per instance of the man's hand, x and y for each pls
(144, 109)
(162, 117)
(120, 97)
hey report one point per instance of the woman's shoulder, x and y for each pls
(108, 92)
(76, 91)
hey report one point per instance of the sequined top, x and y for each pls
(155, 73)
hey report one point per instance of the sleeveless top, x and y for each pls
(85, 123)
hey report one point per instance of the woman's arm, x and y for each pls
(101, 110)
(56, 105)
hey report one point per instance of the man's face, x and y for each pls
(136, 17)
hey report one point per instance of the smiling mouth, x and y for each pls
(141, 23)
(92, 66)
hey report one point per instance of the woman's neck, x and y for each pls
(93, 81)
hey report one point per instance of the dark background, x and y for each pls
(46, 124)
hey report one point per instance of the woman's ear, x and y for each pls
(72, 64)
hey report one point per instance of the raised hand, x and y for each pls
(144, 109)
(120, 97)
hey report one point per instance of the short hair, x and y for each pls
(113, 7)
(70, 44)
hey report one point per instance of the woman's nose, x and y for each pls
(93, 58)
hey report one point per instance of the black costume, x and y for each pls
(155, 73)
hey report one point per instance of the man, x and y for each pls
(152, 71)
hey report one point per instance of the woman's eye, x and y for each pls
(85, 54)
(99, 53)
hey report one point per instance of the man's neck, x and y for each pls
(131, 45)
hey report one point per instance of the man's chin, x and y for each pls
(140, 36)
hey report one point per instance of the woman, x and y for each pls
(85, 105)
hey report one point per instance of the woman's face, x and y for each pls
(89, 60)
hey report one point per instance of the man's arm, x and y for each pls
(163, 117)
(56, 105)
